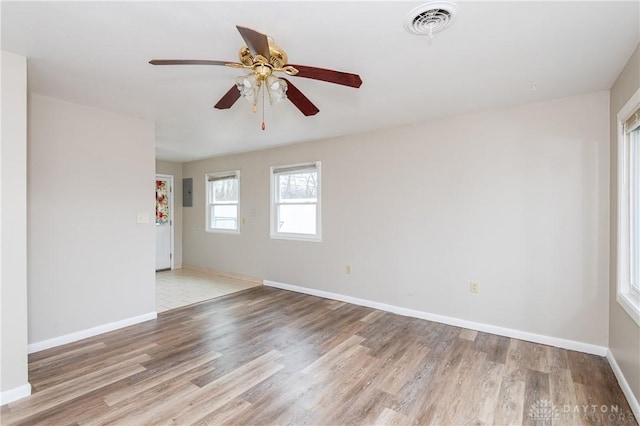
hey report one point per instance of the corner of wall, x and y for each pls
(13, 223)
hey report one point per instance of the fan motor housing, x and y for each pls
(278, 57)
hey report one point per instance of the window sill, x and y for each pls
(223, 231)
(630, 305)
(296, 237)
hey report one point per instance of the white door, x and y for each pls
(164, 221)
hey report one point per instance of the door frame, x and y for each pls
(171, 212)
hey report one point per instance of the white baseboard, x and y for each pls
(624, 385)
(15, 394)
(487, 328)
(225, 274)
(94, 331)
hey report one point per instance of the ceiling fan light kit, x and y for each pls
(250, 86)
(263, 57)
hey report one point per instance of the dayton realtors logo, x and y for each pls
(543, 413)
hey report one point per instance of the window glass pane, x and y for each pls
(225, 190)
(298, 186)
(635, 207)
(162, 202)
(297, 219)
(224, 216)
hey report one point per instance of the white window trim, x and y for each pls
(625, 295)
(274, 234)
(207, 213)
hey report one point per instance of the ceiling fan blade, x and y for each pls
(189, 62)
(299, 100)
(257, 42)
(331, 76)
(229, 98)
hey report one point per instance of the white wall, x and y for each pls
(174, 169)
(624, 333)
(13, 228)
(90, 172)
(516, 199)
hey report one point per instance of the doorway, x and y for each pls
(164, 222)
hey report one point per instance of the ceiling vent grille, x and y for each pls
(431, 18)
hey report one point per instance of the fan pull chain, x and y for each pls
(263, 125)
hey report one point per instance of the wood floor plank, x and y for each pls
(425, 400)
(563, 395)
(580, 364)
(363, 404)
(228, 414)
(400, 372)
(69, 371)
(372, 316)
(496, 347)
(43, 360)
(344, 377)
(392, 418)
(332, 361)
(481, 398)
(142, 402)
(536, 390)
(55, 395)
(147, 404)
(465, 333)
(222, 391)
(557, 357)
(271, 398)
(416, 395)
(269, 356)
(452, 400)
(522, 356)
(156, 379)
(510, 406)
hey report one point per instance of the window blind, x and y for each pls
(288, 169)
(225, 176)
(633, 122)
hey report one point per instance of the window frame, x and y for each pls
(626, 295)
(274, 192)
(209, 202)
(634, 210)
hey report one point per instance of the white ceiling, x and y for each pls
(96, 53)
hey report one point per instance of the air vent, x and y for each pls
(431, 18)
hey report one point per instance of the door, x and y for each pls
(164, 222)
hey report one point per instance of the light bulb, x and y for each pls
(277, 89)
(248, 85)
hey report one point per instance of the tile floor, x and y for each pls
(182, 287)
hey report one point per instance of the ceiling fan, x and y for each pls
(264, 58)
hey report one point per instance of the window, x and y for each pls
(295, 201)
(223, 195)
(628, 261)
(634, 196)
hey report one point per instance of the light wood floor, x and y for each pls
(182, 287)
(268, 356)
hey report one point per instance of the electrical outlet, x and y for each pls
(347, 269)
(474, 287)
